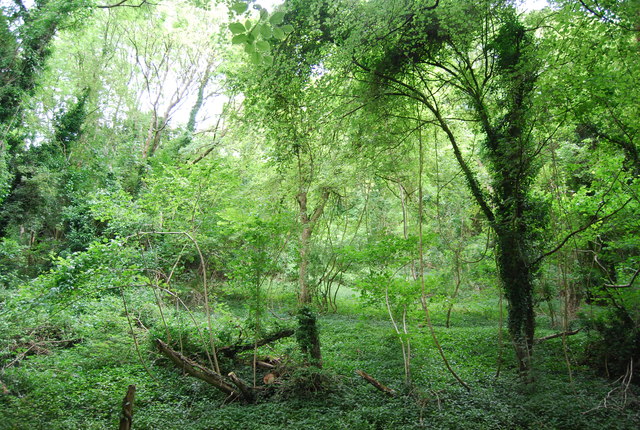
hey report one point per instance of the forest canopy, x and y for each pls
(319, 214)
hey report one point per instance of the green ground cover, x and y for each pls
(80, 387)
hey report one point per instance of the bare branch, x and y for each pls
(580, 230)
(628, 285)
(122, 3)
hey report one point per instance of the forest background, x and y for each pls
(248, 211)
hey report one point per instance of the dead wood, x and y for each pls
(39, 348)
(247, 392)
(196, 370)
(232, 350)
(555, 335)
(265, 365)
(126, 419)
(370, 379)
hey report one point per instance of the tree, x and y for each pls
(26, 35)
(465, 64)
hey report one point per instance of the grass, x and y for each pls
(81, 387)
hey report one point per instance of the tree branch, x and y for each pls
(628, 285)
(422, 98)
(318, 212)
(122, 4)
(580, 230)
(601, 16)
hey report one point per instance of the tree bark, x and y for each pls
(247, 392)
(370, 379)
(126, 419)
(308, 223)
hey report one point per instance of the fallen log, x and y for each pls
(232, 350)
(196, 370)
(370, 379)
(556, 335)
(265, 365)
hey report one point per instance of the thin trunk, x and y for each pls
(305, 236)
(458, 278)
(308, 223)
(423, 290)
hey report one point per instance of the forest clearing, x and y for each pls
(319, 214)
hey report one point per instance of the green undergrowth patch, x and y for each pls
(80, 386)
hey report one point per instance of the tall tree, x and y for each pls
(471, 67)
(26, 34)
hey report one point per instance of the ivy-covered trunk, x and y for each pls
(308, 337)
(516, 277)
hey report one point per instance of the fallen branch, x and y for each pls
(232, 350)
(553, 336)
(196, 370)
(265, 365)
(39, 348)
(247, 392)
(370, 379)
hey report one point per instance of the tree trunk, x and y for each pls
(308, 222)
(516, 277)
(232, 350)
(305, 296)
(308, 337)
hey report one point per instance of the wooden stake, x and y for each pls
(126, 419)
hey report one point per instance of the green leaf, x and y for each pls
(240, 38)
(248, 24)
(268, 60)
(256, 30)
(277, 18)
(239, 7)
(249, 48)
(236, 28)
(263, 46)
(287, 28)
(278, 33)
(255, 58)
(263, 14)
(265, 31)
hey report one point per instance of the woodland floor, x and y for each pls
(81, 386)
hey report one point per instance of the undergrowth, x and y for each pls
(81, 385)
